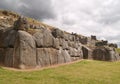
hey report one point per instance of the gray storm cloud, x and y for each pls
(38, 9)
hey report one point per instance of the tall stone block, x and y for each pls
(25, 51)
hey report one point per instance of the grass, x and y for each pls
(118, 50)
(83, 72)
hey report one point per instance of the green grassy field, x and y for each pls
(83, 72)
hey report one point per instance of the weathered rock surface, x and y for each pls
(57, 33)
(2, 56)
(105, 54)
(25, 48)
(47, 56)
(23, 51)
(28, 44)
(9, 59)
(66, 56)
(87, 52)
(63, 44)
(10, 39)
(44, 39)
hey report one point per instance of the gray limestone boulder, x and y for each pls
(44, 39)
(71, 44)
(7, 37)
(66, 36)
(47, 56)
(105, 54)
(63, 43)
(9, 57)
(70, 37)
(57, 33)
(24, 51)
(66, 56)
(56, 44)
(74, 44)
(43, 58)
(3, 35)
(61, 58)
(75, 52)
(9, 40)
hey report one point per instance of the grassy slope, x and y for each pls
(118, 50)
(84, 72)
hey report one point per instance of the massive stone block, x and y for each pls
(3, 35)
(57, 33)
(9, 57)
(44, 39)
(63, 43)
(105, 54)
(66, 55)
(56, 43)
(9, 40)
(25, 51)
(76, 54)
(63, 56)
(47, 57)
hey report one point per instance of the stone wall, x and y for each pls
(25, 50)
(27, 47)
(105, 54)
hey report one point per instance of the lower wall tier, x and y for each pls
(42, 57)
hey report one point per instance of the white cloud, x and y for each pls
(88, 17)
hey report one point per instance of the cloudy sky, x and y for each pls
(87, 17)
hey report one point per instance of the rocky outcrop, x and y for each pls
(27, 45)
(105, 54)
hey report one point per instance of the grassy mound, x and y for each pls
(83, 72)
